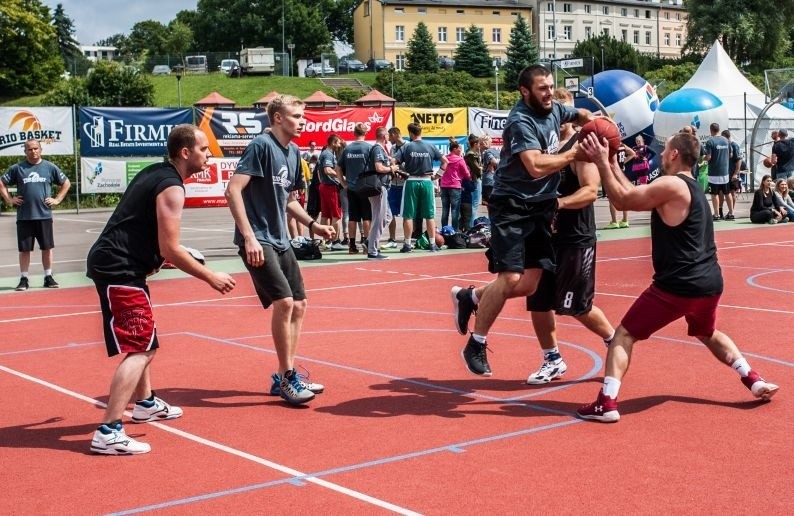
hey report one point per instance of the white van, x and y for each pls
(196, 64)
(228, 65)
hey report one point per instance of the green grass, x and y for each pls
(243, 91)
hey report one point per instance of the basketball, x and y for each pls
(439, 239)
(768, 162)
(603, 128)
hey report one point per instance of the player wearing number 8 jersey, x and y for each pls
(570, 289)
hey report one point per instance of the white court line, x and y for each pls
(227, 449)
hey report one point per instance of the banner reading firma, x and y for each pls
(128, 131)
(52, 126)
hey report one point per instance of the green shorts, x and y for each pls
(419, 199)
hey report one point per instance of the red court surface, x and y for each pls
(403, 426)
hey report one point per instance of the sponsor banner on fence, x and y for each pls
(128, 131)
(320, 124)
(110, 175)
(231, 130)
(52, 126)
(442, 144)
(434, 121)
(488, 122)
(206, 188)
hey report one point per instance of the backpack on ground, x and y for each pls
(306, 249)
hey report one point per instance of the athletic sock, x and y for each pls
(25, 274)
(474, 297)
(48, 272)
(742, 367)
(608, 340)
(611, 387)
(479, 338)
(550, 355)
(148, 402)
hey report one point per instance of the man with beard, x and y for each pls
(521, 207)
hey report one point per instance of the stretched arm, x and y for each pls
(540, 165)
(169, 205)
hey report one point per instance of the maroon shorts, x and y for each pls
(127, 317)
(655, 309)
(329, 201)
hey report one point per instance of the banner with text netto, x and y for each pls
(52, 126)
(128, 131)
(442, 122)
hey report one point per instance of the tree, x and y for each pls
(113, 84)
(617, 54)
(64, 30)
(472, 54)
(147, 37)
(521, 52)
(178, 39)
(29, 60)
(751, 31)
(122, 43)
(421, 55)
(340, 19)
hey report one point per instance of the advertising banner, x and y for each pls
(231, 130)
(128, 131)
(110, 175)
(52, 126)
(488, 122)
(206, 188)
(434, 121)
(320, 124)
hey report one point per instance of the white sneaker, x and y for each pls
(391, 244)
(548, 371)
(759, 387)
(338, 246)
(159, 411)
(294, 390)
(112, 440)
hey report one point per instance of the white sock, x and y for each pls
(608, 340)
(479, 338)
(552, 351)
(611, 387)
(408, 242)
(741, 366)
(474, 296)
(48, 272)
(25, 274)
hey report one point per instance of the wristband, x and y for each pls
(311, 224)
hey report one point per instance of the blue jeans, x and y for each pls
(476, 197)
(450, 202)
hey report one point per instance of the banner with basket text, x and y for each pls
(52, 126)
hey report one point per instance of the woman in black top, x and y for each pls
(766, 208)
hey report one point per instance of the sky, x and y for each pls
(95, 20)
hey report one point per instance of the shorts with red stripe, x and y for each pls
(655, 309)
(127, 317)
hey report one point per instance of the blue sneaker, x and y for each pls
(275, 387)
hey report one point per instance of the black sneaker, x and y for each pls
(23, 284)
(730, 216)
(474, 354)
(406, 248)
(49, 282)
(462, 307)
(376, 256)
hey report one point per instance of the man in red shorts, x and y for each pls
(687, 280)
(143, 232)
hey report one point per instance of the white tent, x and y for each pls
(718, 75)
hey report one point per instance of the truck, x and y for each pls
(196, 64)
(258, 60)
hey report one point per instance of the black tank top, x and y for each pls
(685, 256)
(574, 228)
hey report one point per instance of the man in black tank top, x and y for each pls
(687, 280)
(570, 289)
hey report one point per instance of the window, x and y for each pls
(421, 10)
(550, 7)
(667, 39)
(588, 32)
(442, 34)
(460, 32)
(550, 32)
(636, 37)
(678, 16)
(624, 35)
(605, 31)
(496, 13)
(366, 8)
(460, 11)
(636, 13)
(648, 14)
(496, 36)
(567, 32)
(399, 33)
(587, 8)
(399, 10)
(666, 15)
(604, 9)
(399, 62)
(567, 8)
(623, 11)
(678, 40)
(648, 37)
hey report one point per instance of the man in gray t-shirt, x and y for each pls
(352, 163)
(33, 179)
(521, 208)
(717, 151)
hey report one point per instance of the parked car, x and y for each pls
(351, 65)
(228, 64)
(378, 65)
(315, 69)
(161, 70)
(447, 63)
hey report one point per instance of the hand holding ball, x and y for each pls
(603, 128)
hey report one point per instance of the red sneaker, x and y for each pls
(759, 387)
(603, 409)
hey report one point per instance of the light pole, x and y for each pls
(496, 80)
(283, 18)
(290, 46)
(602, 56)
(179, 85)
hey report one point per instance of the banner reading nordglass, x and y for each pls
(52, 126)
(128, 131)
(322, 123)
(231, 130)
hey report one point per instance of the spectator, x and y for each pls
(791, 188)
(307, 155)
(766, 209)
(771, 161)
(33, 179)
(624, 155)
(734, 167)
(313, 193)
(295, 227)
(451, 184)
(395, 194)
(641, 164)
(329, 188)
(380, 163)
(783, 152)
(352, 163)
(717, 151)
(474, 163)
(782, 194)
(490, 161)
(466, 197)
